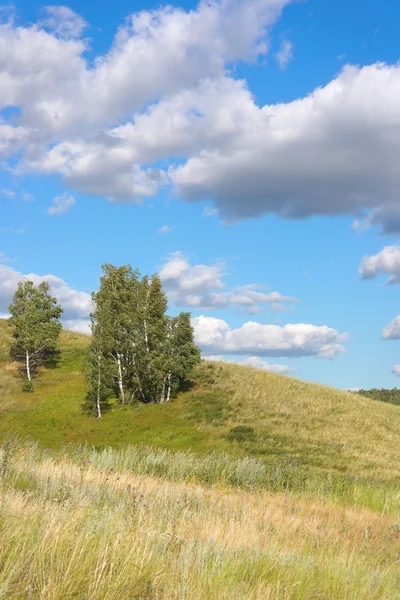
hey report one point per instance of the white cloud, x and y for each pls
(16, 230)
(335, 151)
(61, 204)
(165, 229)
(284, 54)
(162, 95)
(258, 363)
(209, 211)
(154, 53)
(63, 22)
(396, 370)
(215, 336)
(78, 325)
(255, 362)
(8, 193)
(392, 330)
(179, 274)
(76, 305)
(202, 286)
(28, 197)
(386, 261)
(277, 307)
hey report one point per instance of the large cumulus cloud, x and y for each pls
(161, 107)
(215, 336)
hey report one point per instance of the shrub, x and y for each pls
(27, 386)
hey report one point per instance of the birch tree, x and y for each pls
(35, 316)
(180, 354)
(151, 337)
(114, 314)
(99, 370)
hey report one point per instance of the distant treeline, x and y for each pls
(391, 396)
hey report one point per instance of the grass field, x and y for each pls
(249, 485)
(70, 529)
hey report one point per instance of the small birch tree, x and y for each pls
(35, 316)
(99, 371)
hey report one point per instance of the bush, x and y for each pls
(27, 386)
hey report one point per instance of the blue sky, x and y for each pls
(262, 135)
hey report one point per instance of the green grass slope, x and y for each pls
(255, 486)
(231, 409)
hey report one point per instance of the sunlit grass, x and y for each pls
(71, 529)
(297, 424)
(249, 485)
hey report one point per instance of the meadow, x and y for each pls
(248, 485)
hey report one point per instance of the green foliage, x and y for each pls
(99, 378)
(27, 386)
(137, 351)
(383, 395)
(35, 317)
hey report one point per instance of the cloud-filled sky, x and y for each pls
(247, 150)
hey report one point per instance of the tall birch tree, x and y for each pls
(114, 315)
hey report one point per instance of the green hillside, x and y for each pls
(248, 485)
(279, 418)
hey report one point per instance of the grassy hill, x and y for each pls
(302, 423)
(249, 485)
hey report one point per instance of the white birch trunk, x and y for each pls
(120, 383)
(98, 386)
(140, 386)
(146, 339)
(162, 399)
(169, 387)
(28, 367)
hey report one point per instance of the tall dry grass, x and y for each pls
(321, 426)
(72, 529)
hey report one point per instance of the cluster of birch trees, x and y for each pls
(137, 351)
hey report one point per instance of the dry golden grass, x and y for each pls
(103, 523)
(72, 530)
(320, 426)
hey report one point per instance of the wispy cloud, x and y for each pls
(209, 211)
(7, 193)
(61, 204)
(27, 197)
(165, 229)
(284, 54)
(202, 286)
(16, 230)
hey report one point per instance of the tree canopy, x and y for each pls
(35, 316)
(137, 352)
